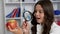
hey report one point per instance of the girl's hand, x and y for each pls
(17, 30)
(26, 27)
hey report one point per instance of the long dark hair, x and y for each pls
(48, 17)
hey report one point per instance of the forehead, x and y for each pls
(39, 7)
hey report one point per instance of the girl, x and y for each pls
(43, 21)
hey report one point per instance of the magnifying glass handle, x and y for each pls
(25, 22)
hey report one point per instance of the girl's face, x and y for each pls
(39, 13)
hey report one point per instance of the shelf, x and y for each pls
(14, 18)
(35, 2)
(56, 15)
(28, 2)
(55, 1)
(12, 2)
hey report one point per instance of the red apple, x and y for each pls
(12, 24)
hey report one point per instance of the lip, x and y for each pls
(37, 18)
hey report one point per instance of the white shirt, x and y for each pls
(39, 28)
(55, 29)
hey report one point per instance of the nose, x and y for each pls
(37, 13)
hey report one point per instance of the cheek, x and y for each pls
(42, 16)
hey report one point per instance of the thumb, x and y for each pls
(18, 27)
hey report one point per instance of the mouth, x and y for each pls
(37, 18)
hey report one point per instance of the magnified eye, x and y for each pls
(27, 15)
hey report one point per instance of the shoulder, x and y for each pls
(55, 29)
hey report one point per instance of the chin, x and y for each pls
(39, 21)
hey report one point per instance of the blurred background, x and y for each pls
(13, 9)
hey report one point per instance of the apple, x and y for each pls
(12, 24)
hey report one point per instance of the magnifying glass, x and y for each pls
(27, 15)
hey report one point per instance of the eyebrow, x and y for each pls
(41, 10)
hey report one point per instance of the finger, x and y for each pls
(28, 26)
(13, 30)
(18, 26)
(24, 22)
(23, 25)
(9, 28)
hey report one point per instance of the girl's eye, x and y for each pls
(40, 11)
